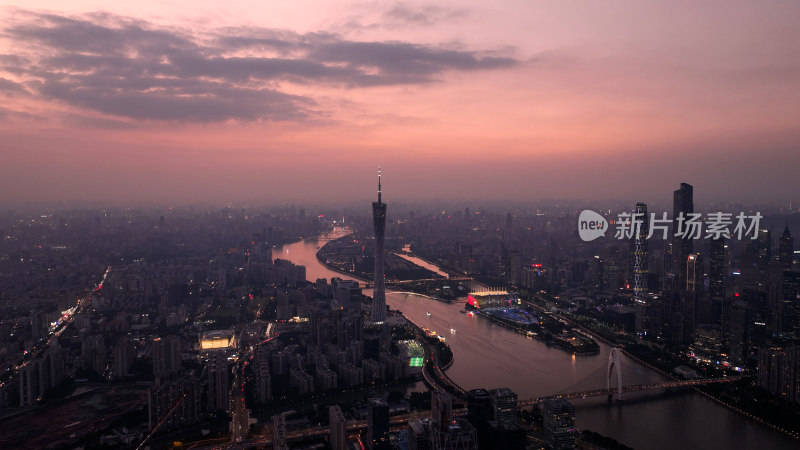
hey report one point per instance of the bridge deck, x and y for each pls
(631, 388)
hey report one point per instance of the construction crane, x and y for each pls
(163, 419)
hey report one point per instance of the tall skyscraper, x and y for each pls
(640, 253)
(790, 309)
(716, 281)
(641, 256)
(682, 246)
(379, 290)
(756, 254)
(692, 290)
(786, 248)
(694, 273)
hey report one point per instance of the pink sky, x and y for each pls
(291, 101)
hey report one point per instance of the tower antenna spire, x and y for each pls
(379, 184)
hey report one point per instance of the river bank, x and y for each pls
(490, 356)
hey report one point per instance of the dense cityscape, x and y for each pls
(405, 225)
(197, 328)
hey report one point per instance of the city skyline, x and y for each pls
(520, 101)
(258, 325)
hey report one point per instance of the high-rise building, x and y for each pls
(694, 273)
(123, 357)
(52, 367)
(283, 310)
(641, 257)
(640, 253)
(395, 366)
(756, 254)
(378, 423)
(93, 351)
(682, 246)
(379, 290)
(512, 271)
(349, 374)
(163, 398)
(558, 423)
(683, 314)
(301, 380)
(29, 388)
(280, 362)
(790, 308)
(504, 406)
(374, 371)
(479, 405)
(716, 281)
(691, 293)
(779, 372)
(338, 429)
(279, 433)
(263, 384)
(218, 385)
(38, 324)
(774, 301)
(166, 357)
(786, 248)
(326, 379)
(441, 408)
(739, 332)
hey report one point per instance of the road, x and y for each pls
(55, 331)
(240, 415)
(397, 422)
(240, 422)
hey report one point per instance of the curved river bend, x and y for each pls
(491, 356)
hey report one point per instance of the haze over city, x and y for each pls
(180, 101)
(401, 225)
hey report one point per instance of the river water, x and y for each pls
(491, 356)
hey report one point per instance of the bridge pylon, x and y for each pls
(615, 362)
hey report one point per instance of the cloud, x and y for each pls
(422, 15)
(400, 58)
(400, 15)
(6, 113)
(11, 87)
(133, 69)
(98, 122)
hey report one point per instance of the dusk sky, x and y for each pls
(275, 102)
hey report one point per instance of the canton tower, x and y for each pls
(379, 290)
